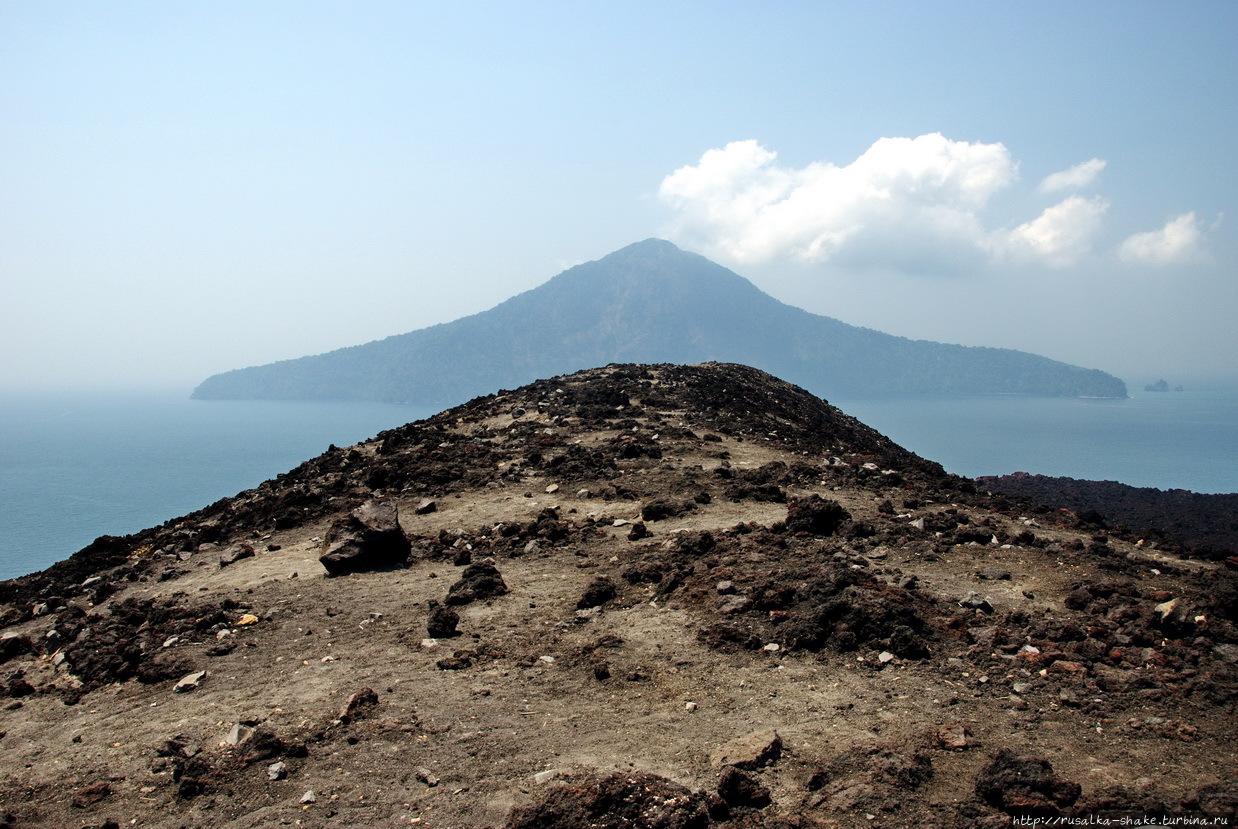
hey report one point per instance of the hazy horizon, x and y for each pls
(188, 189)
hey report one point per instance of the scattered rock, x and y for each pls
(239, 734)
(1024, 785)
(616, 801)
(974, 601)
(598, 592)
(236, 553)
(741, 789)
(359, 705)
(190, 682)
(816, 516)
(426, 507)
(953, 736)
(478, 581)
(638, 532)
(442, 622)
(660, 509)
(752, 751)
(92, 794)
(277, 770)
(994, 573)
(369, 539)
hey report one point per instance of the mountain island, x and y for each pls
(635, 597)
(650, 302)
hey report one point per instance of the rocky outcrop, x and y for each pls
(369, 539)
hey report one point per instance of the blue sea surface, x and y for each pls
(74, 467)
(1165, 440)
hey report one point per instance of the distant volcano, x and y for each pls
(650, 302)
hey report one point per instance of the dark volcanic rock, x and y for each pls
(741, 789)
(617, 801)
(1024, 785)
(442, 622)
(599, 591)
(1206, 524)
(478, 581)
(369, 539)
(816, 515)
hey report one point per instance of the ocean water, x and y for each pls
(1167, 440)
(74, 467)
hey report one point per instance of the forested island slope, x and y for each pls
(650, 302)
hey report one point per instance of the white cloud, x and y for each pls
(912, 205)
(906, 203)
(1059, 236)
(1076, 177)
(739, 203)
(1178, 241)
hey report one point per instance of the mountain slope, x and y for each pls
(650, 302)
(640, 596)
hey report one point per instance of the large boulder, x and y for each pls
(369, 539)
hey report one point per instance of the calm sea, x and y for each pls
(76, 467)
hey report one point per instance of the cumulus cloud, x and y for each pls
(1059, 236)
(905, 203)
(1081, 175)
(1178, 241)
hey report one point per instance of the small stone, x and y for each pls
(277, 771)
(309, 797)
(757, 749)
(234, 554)
(238, 734)
(426, 507)
(953, 736)
(552, 489)
(544, 777)
(975, 601)
(425, 776)
(638, 532)
(247, 619)
(726, 588)
(690, 706)
(189, 682)
(885, 657)
(359, 705)
(994, 574)
(598, 592)
(442, 622)
(1166, 609)
(91, 795)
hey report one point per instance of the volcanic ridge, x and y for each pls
(635, 596)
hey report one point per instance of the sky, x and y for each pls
(191, 187)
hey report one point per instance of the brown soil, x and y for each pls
(605, 683)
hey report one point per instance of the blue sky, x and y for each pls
(191, 187)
